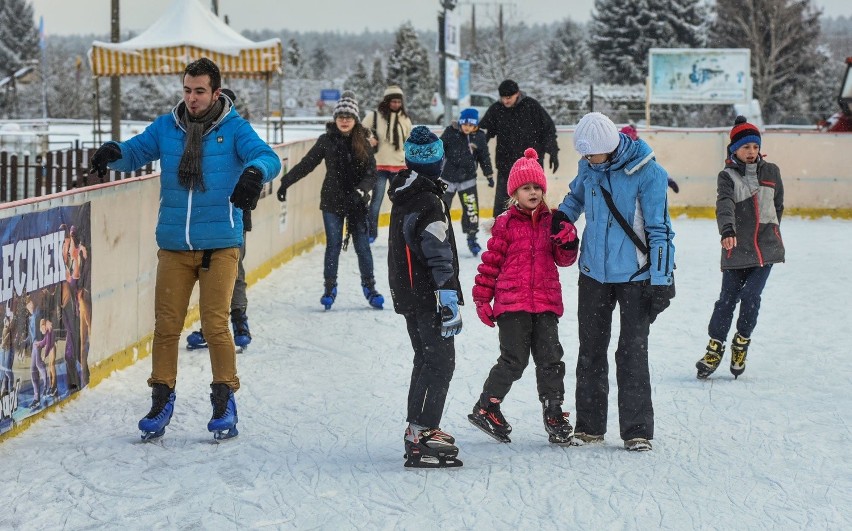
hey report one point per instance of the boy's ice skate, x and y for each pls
(375, 299)
(739, 351)
(153, 425)
(473, 245)
(430, 448)
(329, 294)
(196, 340)
(711, 360)
(559, 430)
(223, 424)
(487, 417)
(242, 334)
(638, 444)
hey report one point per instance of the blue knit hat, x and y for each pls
(469, 116)
(424, 152)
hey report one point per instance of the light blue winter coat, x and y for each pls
(638, 186)
(191, 219)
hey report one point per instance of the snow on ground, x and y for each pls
(322, 410)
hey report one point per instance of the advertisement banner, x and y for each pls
(452, 34)
(687, 75)
(45, 281)
(464, 84)
(452, 79)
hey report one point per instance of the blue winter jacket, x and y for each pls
(638, 186)
(191, 219)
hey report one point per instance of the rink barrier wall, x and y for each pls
(123, 249)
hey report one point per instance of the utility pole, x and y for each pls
(216, 7)
(447, 5)
(115, 81)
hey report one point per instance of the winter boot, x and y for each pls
(487, 417)
(581, 439)
(223, 423)
(196, 340)
(639, 444)
(373, 297)
(473, 245)
(559, 430)
(239, 321)
(739, 350)
(330, 293)
(712, 358)
(430, 448)
(153, 425)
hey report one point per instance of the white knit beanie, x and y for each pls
(595, 135)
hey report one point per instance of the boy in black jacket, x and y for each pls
(423, 269)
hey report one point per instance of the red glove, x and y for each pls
(566, 237)
(485, 313)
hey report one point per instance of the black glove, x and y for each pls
(282, 192)
(554, 162)
(673, 185)
(247, 191)
(556, 222)
(490, 179)
(661, 297)
(363, 195)
(109, 152)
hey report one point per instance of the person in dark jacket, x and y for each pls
(465, 146)
(518, 122)
(423, 270)
(349, 179)
(749, 205)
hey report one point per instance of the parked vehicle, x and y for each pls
(478, 100)
(841, 122)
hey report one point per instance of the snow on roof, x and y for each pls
(187, 22)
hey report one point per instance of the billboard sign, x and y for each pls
(699, 75)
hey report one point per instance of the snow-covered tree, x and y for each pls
(293, 59)
(359, 83)
(319, 62)
(782, 35)
(18, 35)
(408, 67)
(623, 32)
(567, 55)
(377, 80)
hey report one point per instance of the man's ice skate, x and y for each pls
(430, 448)
(487, 417)
(559, 430)
(223, 424)
(375, 299)
(329, 293)
(711, 360)
(196, 340)
(739, 351)
(242, 334)
(582, 439)
(639, 444)
(473, 245)
(153, 425)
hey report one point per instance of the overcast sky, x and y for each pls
(63, 17)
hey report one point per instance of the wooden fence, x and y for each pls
(23, 177)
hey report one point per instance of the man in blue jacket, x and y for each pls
(213, 166)
(629, 264)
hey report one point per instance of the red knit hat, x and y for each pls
(526, 170)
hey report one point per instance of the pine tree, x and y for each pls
(18, 35)
(294, 58)
(359, 83)
(567, 55)
(320, 61)
(782, 35)
(408, 67)
(623, 32)
(377, 80)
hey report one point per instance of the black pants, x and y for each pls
(469, 199)
(434, 363)
(596, 303)
(501, 193)
(522, 333)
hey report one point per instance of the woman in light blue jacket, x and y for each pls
(613, 269)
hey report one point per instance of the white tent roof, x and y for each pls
(188, 23)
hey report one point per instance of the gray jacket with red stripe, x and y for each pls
(749, 204)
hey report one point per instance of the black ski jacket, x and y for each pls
(463, 153)
(526, 125)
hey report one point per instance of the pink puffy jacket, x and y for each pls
(519, 270)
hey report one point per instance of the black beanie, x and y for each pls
(508, 88)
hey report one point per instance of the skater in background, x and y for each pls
(518, 122)
(212, 162)
(465, 147)
(390, 126)
(47, 349)
(519, 273)
(239, 299)
(349, 179)
(423, 272)
(38, 372)
(7, 353)
(630, 130)
(749, 206)
(622, 191)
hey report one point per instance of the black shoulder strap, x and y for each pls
(623, 222)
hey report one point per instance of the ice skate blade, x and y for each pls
(432, 462)
(561, 441)
(224, 435)
(149, 436)
(496, 436)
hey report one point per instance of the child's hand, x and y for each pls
(566, 237)
(490, 179)
(485, 313)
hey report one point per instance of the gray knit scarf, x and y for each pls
(189, 170)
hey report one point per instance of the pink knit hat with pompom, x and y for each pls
(526, 170)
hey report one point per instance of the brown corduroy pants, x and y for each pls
(177, 272)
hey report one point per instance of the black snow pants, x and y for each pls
(596, 303)
(522, 333)
(434, 363)
(469, 199)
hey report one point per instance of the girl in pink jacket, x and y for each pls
(518, 272)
